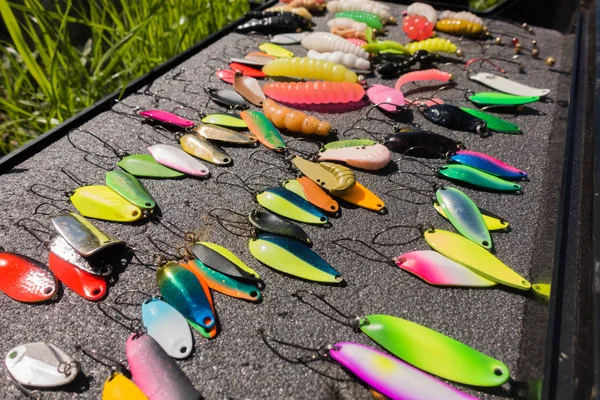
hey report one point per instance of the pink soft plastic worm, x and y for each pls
(425, 75)
(356, 41)
(317, 92)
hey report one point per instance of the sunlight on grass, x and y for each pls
(46, 78)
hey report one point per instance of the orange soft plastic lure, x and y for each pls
(25, 279)
(360, 196)
(294, 120)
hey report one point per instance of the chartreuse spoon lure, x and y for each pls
(168, 327)
(184, 291)
(475, 177)
(342, 144)
(263, 130)
(222, 260)
(416, 344)
(493, 123)
(275, 50)
(130, 189)
(288, 204)
(492, 221)
(101, 202)
(225, 284)
(293, 258)
(501, 99)
(226, 120)
(145, 166)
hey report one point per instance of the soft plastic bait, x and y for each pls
(334, 178)
(25, 279)
(357, 41)
(227, 98)
(154, 372)
(314, 92)
(218, 134)
(488, 164)
(288, 38)
(372, 20)
(454, 118)
(225, 284)
(464, 215)
(101, 202)
(508, 86)
(271, 21)
(421, 144)
(374, 7)
(371, 158)
(222, 260)
(249, 88)
(307, 68)
(226, 120)
(293, 258)
(81, 234)
(275, 50)
(493, 123)
(325, 42)
(145, 166)
(340, 144)
(41, 365)
(130, 189)
(423, 75)
(501, 99)
(294, 120)
(177, 159)
(348, 33)
(204, 150)
(263, 129)
(434, 45)
(386, 98)
(168, 327)
(439, 270)
(310, 5)
(166, 117)
(182, 290)
(391, 69)
(492, 221)
(475, 177)
(312, 193)
(271, 223)
(382, 45)
(459, 27)
(462, 15)
(474, 257)
(346, 59)
(347, 23)
(423, 9)
(288, 204)
(417, 27)
(303, 12)
(362, 197)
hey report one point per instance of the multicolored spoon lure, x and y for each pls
(391, 377)
(145, 166)
(492, 221)
(155, 373)
(311, 192)
(168, 327)
(226, 120)
(101, 202)
(293, 258)
(181, 289)
(488, 164)
(118, 387)
(475, 177)
(501, 99)
(464, 215)
(178, 159)
(493, 123)
(41, 365)
(211, 332)
(81, 234)
(263, 129)
(25, 279)
(474, 257)
(288, 204)
(132, 190)
(225, 284)
(271, 223)
(222, 260)
(439, 270)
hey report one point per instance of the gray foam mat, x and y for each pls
(237, 365)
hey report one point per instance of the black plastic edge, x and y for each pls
(596, 212)
(28, 150)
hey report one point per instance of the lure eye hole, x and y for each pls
(134, 213)
(48, 290)
(339, 278)
(226, 160)
(13, 354)
(379, 205)
(96, 291)
(207, 321)
(524, 282)
(253, 293)
(147, 204)
(332, 207)
(516, 186)
(485, 243)
(402, 260)
(204, 171)
(323, 219)
(498, 372)
(183, 350)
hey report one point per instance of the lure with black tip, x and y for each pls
(421, 144)
(227, 98)
(216, 260)
(453, 117)
(270, 223)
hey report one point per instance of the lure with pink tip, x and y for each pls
(438, 270)
(424, 75)
(166, 117)
(356, 41)
(370, 158)
(177, 159)
(226, 75)
(379, 94)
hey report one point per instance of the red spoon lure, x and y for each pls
(25, 279)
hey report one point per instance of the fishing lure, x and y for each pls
(371, 158)
(459, 27)
(168, 327)
(357, 41)
(81, 234)
(25, 279)
(417, 27)
(294, 120)
(314, 92)
(386, 98)
(271, 223)
(372, 20)
(310, 5)
(433, 45)
(225, 284)
(308, 68)
(439, 270)
(204, 150)
(478, 178)
(132, 190)
(271, 21)
(347, 33)
(288, 38)
(225, 120)
(362, 197)
(249, 88)
(508, 86)
(303, 12)
(288, 204)
(337, 57)
(187, 294)
(259, 57)
(218, 134)
(487, 164)
(222, 260)
(462, 15)
(334, 178)
(374, 7)
(381, 45)
(40, 365)
(101, 202)
(226, 75)
(239, 64)
(493, 123)
(166, 382)
(325, 42)
(453, 117)
(347, 23)
(263, 130)
(395, 68)
(293, 258)
(227, 98)
(492, 221)
(245, 70)
(341, 144)
(421, 143)
(118, 387)
(166, 117)
(423, 9)
(500, 99)
(424, 75)
(177, 159)
(275, 50)
(209, 333)
(145, 166)
(312, 193)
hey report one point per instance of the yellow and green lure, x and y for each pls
(385, 45)
(309, 68)
(275, 50)
(288, 204)
(130, 189)
(434, 45)
(102, 202)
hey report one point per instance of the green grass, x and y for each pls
(46, 79)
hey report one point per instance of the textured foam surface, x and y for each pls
(237, 364)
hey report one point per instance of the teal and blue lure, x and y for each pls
(478, 178)
(225, 284)
(288, 204)
(487, 164)
(168, 327)
(182, 289)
